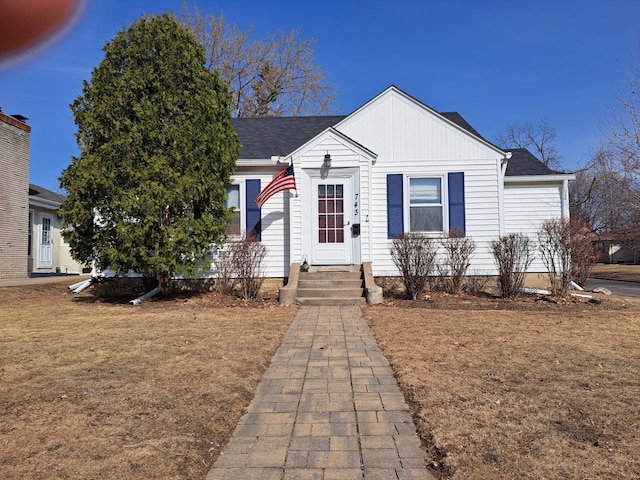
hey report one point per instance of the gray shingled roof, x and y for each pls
(44, 194)
(523, 162)
(456, 118)
(263, 137)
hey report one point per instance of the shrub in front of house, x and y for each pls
(567, 252)
(455, 260)
(513, 255)
(414, 256)
(245, 258)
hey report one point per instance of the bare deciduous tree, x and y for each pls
(272, 77)
(622, 128)
(537, 138)
(605, 196)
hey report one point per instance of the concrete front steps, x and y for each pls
(331, 285)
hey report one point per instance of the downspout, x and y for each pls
(503, 172)
(369, 209)
(565, 200)
(146, 296)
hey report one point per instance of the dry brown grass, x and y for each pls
(95, 390)
(524, 390)
(627, 273)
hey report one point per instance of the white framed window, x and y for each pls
(426, 212)
(234, 200)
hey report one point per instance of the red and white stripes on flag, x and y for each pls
(284, 181)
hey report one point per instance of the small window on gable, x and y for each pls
(426, 209)
(233, 201)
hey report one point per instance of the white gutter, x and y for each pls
(258, 162)
(561, 177)
(41, 202)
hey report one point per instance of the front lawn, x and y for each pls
(110, 391)
(526, 389)
(627, 273)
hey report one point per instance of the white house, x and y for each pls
(392, 166)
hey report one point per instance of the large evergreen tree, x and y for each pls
(156, 152)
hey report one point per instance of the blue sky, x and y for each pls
(493, 61)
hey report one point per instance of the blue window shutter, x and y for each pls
(456, 202)
(395, 197)
(253, 220)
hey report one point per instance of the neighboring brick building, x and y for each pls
(14, 196)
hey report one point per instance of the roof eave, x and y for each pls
(256, 162)
(41, 202)
(558, 177)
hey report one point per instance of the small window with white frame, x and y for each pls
(233, 200)
(426, 208)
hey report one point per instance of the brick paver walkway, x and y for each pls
(328, 407)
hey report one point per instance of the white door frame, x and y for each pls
(348, 252)
(45, 240)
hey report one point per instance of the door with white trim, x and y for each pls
(332, 216)
(45, 241)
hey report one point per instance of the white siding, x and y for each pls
(397, 128)
(345, 157)
(481, 209)
(275, 223)
(411, 139)
(527, 206)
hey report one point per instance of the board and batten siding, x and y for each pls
(396, 127)
(345, 157)
(526, 207)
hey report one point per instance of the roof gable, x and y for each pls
(400, 128)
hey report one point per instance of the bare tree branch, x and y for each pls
(272, 77)
(537, 138)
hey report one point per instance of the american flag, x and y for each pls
(284, 181)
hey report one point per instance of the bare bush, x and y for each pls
(246, 256)
(583, 251)
(567, 252)
(225, 283)
(556, 255)
(513, 254)
(414, 254)
(457, 258)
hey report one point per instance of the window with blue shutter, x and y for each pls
(395, 198)
(253, 219)
(425, 204)
(456, 203)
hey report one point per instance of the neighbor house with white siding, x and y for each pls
(392, 166)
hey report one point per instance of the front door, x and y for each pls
(331, 223)
(45, 242)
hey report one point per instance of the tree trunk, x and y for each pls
(165, 283)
